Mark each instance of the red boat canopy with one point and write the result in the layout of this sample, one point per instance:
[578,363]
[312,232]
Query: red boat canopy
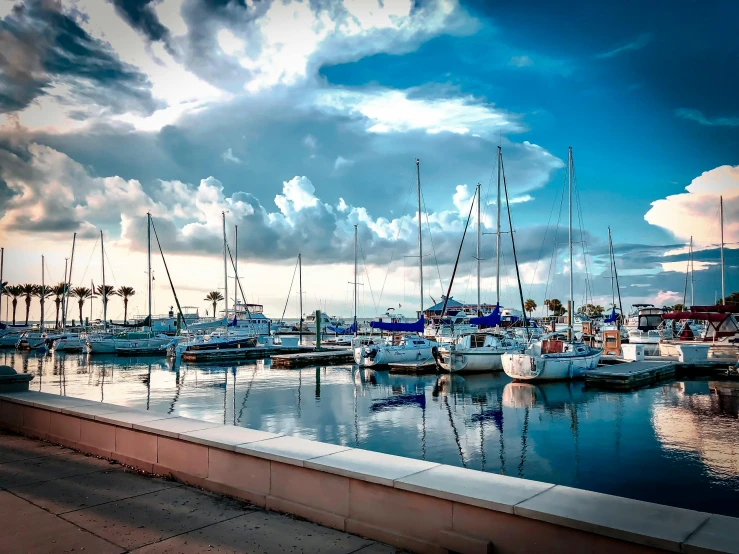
[720,325]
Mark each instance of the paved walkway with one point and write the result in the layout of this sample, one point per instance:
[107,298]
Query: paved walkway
[53,499]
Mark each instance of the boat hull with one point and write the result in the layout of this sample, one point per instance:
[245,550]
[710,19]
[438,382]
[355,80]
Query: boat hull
[525,367]
[367,356]
[464,361]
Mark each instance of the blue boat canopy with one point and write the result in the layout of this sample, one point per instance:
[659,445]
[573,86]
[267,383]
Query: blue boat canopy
[490,320]
[339,331]
[234,323]
[416,327]
[613,317]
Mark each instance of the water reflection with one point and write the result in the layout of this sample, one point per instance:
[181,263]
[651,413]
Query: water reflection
[674,443]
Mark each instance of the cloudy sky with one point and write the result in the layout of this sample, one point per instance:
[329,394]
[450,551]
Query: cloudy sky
[303,119]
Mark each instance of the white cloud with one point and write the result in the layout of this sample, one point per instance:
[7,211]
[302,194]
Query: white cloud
[342,162]
[228,156]
[695,212]
[521,199]
[394,111]
[520,61]
[310,142]
[699,117]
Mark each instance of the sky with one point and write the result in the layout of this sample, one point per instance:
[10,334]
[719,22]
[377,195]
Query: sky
[300,120]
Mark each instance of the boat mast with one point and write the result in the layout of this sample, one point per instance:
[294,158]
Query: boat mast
[721,219]
[43,292]
[355,280]
[236,267]
[105,291]
[479,201]
[68,285]
[148,238]
[420,240]
[692,275]
[572,291]
[300,282]
[497,236]
[225,268]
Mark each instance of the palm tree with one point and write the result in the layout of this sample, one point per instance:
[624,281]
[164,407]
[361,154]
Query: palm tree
[529,306]
[547,305]
[58,292]
[556,306]
[106,293]
[82,294]
[28,291]
[125,293]
[214,297]
[43,293]
[14,292]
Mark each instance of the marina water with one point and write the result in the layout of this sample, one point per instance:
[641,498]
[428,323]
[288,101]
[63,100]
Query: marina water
[674,443]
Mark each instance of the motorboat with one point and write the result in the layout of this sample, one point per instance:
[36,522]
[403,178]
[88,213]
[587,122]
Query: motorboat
[479,351]
[450,329]
[107,344]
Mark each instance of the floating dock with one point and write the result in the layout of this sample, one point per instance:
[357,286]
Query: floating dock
[317,357]
[620,374]
[252,353]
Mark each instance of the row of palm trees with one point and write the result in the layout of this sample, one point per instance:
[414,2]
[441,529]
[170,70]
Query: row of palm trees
[29,291]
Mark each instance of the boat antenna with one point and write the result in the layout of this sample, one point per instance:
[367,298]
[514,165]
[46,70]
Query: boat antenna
[456,263]
[513,245]
[174,292]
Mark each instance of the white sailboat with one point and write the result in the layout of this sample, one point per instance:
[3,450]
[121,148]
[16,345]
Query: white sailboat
[550,359]
[131,341]
[410,346]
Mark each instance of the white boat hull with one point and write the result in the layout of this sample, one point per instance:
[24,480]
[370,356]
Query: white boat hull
[456,361]
[391,355]
[109,346]
[549,367]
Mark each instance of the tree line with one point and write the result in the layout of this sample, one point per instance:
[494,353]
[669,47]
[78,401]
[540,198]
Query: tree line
[28,292]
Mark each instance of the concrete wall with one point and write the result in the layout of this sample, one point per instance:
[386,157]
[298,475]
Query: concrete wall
[416,505]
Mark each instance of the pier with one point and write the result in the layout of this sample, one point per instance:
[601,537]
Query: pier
[325,356]
[620,374]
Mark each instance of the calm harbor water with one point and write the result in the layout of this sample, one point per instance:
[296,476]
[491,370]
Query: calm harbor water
[675,443]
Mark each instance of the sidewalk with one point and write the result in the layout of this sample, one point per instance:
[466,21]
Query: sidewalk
[53,499]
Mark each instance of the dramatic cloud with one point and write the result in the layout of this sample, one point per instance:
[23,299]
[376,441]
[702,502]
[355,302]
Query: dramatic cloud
[141,16]
[698,117]
[695,212]
[42,47]
[387,111]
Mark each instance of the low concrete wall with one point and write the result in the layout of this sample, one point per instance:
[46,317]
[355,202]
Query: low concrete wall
[416,505]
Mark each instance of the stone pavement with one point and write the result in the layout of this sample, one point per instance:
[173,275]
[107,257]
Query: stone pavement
[53,499]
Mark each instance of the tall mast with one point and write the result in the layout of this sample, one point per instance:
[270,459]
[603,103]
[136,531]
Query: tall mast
[572,285]
[355,279]
[692,275]
[43,292]
[420,240]
[148,237]
[721,218]
[497,236]
[236,267]
[610,254]
[69,284]
[300,282]
[225,268]
[66,264]
[105,291]
[479,201]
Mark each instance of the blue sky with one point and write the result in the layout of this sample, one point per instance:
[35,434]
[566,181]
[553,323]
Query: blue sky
[302,119]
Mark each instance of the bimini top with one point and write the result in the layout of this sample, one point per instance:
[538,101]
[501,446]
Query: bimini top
[415,327]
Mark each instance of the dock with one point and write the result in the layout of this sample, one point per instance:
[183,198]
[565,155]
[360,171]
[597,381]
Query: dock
[619,374]
[253,353]
[317,357]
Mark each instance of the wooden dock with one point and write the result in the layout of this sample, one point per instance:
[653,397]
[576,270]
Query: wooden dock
[619,374]
[326,356]
[228,354]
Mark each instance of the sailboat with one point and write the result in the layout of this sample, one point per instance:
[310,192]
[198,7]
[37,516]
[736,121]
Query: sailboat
[550,359]
[481,350]
[410,346]
[134,342]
